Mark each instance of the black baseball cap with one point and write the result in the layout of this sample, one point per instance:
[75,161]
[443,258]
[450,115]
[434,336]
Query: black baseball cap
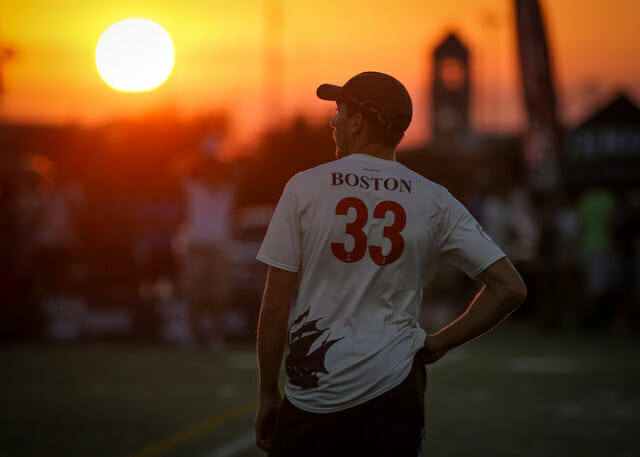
[376,92]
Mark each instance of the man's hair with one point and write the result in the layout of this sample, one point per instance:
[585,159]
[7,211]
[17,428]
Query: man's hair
[378,133]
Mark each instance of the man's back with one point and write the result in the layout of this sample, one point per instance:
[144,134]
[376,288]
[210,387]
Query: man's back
[363,232]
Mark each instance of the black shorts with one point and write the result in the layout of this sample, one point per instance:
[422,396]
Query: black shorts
[389,425]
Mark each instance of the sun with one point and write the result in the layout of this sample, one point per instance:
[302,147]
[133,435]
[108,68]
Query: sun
[135,55]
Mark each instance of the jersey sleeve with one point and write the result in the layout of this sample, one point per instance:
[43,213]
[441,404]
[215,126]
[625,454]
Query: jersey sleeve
[281,246]
[463,242]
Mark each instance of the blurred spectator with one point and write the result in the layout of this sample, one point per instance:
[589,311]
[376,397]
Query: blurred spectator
[19,207]
[597,210]
[27,208]
[545,296]
[567,229]
[210,196]
[525,234]
[480,187]
[12,279]
[56,237]
[628,250]
[523,238]
[495,217]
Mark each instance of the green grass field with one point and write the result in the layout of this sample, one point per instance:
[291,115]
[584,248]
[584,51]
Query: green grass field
[516,392]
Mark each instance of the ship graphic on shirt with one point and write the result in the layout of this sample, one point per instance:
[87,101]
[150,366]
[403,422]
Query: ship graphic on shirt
[303,364]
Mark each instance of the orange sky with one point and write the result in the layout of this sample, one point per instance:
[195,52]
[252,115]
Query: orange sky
[219,56]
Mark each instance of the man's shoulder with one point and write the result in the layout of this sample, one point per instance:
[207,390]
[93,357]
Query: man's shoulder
[426,186]
[303,178]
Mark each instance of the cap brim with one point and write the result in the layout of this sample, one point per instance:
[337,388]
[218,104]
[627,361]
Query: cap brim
[329,92]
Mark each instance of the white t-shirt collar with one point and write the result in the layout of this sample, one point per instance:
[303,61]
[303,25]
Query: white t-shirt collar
[369,158]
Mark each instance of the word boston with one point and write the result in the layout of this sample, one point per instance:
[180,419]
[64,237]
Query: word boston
[371,182]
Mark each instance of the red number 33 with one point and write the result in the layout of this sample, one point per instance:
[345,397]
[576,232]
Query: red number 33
[391,232]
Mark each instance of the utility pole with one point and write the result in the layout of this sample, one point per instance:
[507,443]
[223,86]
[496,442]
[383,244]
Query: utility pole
[273,72]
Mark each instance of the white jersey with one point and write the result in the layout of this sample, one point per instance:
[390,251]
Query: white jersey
[363,233]
[208,213]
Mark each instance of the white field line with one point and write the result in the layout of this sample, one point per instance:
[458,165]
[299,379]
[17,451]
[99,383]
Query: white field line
[237,445]
[545,365]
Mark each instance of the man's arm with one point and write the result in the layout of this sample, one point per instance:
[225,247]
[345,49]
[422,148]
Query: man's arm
[272,336]
[503,291]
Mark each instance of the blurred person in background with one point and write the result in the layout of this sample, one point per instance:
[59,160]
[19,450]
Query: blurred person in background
[495,216]
[57,238]
[525,234]
[20,207]
[522,237]
[206,277]
[628,250]
[14,255]
[596,208]
[508,217]
[566,230]
[26,203]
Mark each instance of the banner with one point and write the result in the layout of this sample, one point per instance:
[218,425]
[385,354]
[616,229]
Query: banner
[542,138]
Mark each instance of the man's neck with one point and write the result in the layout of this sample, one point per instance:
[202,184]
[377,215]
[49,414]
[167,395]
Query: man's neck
[376,150]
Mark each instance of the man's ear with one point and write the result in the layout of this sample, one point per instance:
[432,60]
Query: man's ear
[356,123]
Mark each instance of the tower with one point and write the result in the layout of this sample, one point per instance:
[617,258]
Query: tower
[273,63]
[451,90]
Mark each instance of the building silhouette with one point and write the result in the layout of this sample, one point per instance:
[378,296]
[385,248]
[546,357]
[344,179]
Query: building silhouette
[450,89]
[604,149]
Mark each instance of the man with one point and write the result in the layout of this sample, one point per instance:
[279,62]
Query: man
[210,196]
[358,237]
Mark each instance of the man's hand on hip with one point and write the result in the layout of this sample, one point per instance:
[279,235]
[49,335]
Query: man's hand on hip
[431,351]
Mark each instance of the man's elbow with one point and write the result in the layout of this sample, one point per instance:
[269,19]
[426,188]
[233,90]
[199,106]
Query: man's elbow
[506,283]
[516,294]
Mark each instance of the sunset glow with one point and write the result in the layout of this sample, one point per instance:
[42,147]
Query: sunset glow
[221,51]
[135,55]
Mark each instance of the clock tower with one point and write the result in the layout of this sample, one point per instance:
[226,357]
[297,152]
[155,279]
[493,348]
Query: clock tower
[451,91]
